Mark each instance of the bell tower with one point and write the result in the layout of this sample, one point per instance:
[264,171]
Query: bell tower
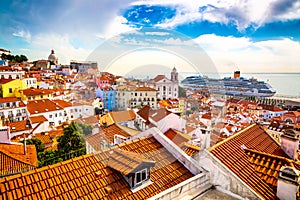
[174,75]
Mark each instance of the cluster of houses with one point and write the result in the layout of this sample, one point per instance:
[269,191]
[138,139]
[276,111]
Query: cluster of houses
[147,141]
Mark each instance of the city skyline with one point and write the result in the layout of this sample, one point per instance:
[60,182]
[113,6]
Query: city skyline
[249,36]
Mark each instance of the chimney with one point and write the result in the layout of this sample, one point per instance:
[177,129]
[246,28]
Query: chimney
[24,143]
[27,126]
[290,143]
[288,183]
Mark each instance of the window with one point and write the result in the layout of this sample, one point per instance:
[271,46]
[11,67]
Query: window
[140,176]
[135,94]
[50,116]
[55,114]
[10,90]
[23,110]
[60,114]
[41,96]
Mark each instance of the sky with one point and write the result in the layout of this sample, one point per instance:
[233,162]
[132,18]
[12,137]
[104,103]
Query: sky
[227,35]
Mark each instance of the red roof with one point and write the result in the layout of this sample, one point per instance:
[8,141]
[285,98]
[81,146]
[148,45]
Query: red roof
[9,99]
[145,89]
[144,112]
[159,114]
[4,81]
[13,159]
[18,126]
[38,118]
[231,153]
[36,91]
[63,103]
[159,77]
[89,176]
[42,106]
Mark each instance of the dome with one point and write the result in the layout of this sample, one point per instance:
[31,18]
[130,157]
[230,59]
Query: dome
[53,58]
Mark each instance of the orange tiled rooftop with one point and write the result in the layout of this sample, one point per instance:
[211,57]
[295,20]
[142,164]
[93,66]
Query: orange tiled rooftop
[232,154]
[13,159]
[89,177]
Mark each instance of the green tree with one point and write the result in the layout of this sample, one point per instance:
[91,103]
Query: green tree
[86,128]
[72,139]
[38,144]
[182,92]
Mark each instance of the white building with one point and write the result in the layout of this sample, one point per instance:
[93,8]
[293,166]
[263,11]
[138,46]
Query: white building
[82,67]
[166,88]
[30,82]
[136,97]
[51,111]
[12,109]
[12,74]
[74,111]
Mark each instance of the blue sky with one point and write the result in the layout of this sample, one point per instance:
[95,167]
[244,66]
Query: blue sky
[253,35]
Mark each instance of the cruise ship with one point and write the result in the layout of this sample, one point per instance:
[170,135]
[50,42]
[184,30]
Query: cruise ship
[236,86]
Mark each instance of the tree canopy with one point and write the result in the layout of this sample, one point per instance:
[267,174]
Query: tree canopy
[38,144]
[16,58]
[72,139]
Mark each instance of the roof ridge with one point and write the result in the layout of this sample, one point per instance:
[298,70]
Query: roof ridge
[231,137]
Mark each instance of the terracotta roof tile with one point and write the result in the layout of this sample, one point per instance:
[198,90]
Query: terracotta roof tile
[125,161]
[88,120]
[62,103]
[159,77]
[17,126]
[106,133]
[230,152]
[13,159]
[159,114]
[122,116]
[268,166]
[9,99]
[36,91]
[42,106]
[144,112]
[45,138]
[145,89]
[4,81]
[89,177]
[176,136]
[190,149]
[38,118]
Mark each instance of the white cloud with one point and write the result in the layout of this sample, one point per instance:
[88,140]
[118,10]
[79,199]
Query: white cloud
[250,56]
[23,34]
[43,43]
[116,27]
[242,13]
[157,33]
[221,43]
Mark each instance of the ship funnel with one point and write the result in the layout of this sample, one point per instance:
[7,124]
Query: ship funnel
[237,74]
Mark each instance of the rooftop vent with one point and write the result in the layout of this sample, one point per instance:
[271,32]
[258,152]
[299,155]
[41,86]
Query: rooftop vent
[108,190]
[98,174]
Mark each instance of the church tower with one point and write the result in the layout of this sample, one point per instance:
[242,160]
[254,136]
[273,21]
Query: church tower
[174,75]
[53,58]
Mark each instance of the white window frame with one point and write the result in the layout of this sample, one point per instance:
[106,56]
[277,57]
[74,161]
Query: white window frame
[140,172]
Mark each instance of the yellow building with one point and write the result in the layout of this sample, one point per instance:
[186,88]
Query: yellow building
[34,94]
[9,86]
